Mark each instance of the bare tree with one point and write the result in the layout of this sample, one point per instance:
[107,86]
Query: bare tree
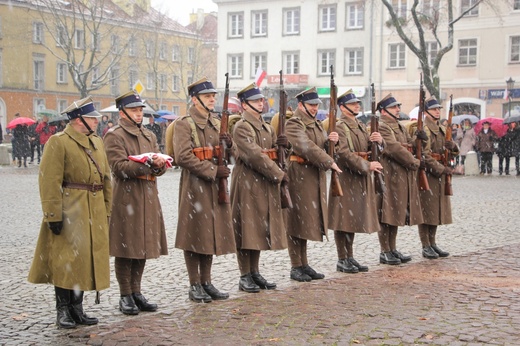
[426,21]
[79,29]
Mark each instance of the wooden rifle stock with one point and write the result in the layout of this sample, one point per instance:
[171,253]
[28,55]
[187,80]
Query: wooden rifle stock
[379,182]
[335,187]
[448,189]
[223,191]
[285,197]
[422,178]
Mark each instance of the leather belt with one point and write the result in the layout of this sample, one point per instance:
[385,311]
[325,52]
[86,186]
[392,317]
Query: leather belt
[437,157]
[408,147]
[298,159]
[362,154]
[206,153]
[80,186]
[148,177]
[271,153]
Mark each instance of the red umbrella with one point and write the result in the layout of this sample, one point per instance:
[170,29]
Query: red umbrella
[20,121]
[497,125]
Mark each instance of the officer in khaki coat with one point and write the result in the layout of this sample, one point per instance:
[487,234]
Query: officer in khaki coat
[257,213]
[75,191]
[204,226]
[435,203]
[400,205]
[355,211]
[136,227]
[307,220]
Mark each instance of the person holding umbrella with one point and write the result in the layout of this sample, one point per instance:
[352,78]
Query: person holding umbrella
[485,145]
[45,131]
[75,192]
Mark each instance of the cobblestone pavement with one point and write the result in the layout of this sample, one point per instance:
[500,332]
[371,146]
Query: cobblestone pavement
[469,298]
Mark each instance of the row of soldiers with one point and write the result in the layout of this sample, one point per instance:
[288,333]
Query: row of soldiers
[81,212]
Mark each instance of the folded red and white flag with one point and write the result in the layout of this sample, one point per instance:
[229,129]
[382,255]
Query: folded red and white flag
[142,158]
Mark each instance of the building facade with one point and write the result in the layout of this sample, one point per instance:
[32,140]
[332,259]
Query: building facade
[304,37]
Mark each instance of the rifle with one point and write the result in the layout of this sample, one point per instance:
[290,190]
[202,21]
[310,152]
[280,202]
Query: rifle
[335,187]
[223,191]
[285,197]
[448,191]
[374,127]
[422,180]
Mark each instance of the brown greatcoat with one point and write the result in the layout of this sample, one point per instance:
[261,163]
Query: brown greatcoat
[435,204]
[78,257]
[307,181]
[204,226]
[400,204]
[137,224]
[356,210]
[255,186]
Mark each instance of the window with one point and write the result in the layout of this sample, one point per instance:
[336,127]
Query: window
[468,52]
[259,23]
[191,55]
[79,39]
[114,44]
[150,81]
[132,46]
[176,110]
[62,105]
[396,57]
[175,83]
[114,80]
[132,77]
[430,8]
[236,25]
[431,51]
[514,56]
[327,18]
[61,73]
[258,60]
[353,61]
[38,32]
[61,36]
[150,51]
[38,73]
[162,51]
[516,5]
[291,21]
[355,16]
[96,41]
[38,105]
[291,62]
[400,8]
[176,52]
[163,82]
[189,77]
[467,4]
[235,65]
[325,59]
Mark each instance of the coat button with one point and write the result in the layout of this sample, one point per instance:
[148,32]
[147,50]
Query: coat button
[51,214]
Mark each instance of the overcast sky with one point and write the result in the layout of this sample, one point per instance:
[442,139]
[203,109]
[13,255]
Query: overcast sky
[180,9]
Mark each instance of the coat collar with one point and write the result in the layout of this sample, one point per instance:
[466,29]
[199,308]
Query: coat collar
[351,122]
[251,118]
[132,129]
[307,120]
[433,125]
[202,119]
[80,138]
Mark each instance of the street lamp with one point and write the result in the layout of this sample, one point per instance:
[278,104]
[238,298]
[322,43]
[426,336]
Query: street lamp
[510,86]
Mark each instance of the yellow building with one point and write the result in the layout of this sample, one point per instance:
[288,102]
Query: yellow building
[53,52]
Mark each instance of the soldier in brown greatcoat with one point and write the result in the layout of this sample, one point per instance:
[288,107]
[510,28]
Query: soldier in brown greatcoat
[356,210]
[400,205]
[307,220]
[204,226]
[435,203]
[75,191]
[136,227]
[257,213]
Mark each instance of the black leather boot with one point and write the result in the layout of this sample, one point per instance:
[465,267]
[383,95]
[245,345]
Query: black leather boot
[214,293]
[25,162]
[63,319]
[403,258]
[429,253]
[127,305]
[20,163]
[262,283]
[312,273]
[439,251]
[360,267]
[198,294]
[247,284]
[142,303]
[344,266]
[298,275]
[388,258]
[76,310]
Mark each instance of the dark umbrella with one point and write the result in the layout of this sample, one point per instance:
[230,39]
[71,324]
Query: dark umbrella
[57,120]
[512,119]
[20,121]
